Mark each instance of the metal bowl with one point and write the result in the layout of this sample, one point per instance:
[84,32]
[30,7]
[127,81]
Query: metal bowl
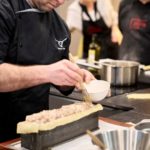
[126,139]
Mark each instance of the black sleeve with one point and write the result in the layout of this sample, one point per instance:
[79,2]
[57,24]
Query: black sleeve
[7,24]
[65,90]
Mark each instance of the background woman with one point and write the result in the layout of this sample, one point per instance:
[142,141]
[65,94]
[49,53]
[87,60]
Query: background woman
[95,17]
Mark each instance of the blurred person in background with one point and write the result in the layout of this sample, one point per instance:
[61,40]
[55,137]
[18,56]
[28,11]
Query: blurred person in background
[134,23]
[95,17]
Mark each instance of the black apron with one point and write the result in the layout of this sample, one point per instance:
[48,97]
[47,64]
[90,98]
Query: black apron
[36,41]
[103,34]
[134,22]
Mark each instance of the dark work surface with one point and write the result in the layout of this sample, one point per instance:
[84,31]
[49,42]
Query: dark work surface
[117,106]
[133,110]
[122,102]
[130,116]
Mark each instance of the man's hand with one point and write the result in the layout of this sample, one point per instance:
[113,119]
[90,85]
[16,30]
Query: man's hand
[116,35]
[67,73]
[45,5]
[87,76]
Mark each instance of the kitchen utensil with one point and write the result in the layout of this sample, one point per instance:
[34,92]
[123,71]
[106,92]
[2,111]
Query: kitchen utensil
[98,89]
[144,125]
[120,72]
[86,95]
[112,139]
[141,140]
[96,140]
[125,139]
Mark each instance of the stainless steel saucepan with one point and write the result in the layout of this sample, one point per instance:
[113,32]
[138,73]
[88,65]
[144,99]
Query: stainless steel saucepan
[120,72]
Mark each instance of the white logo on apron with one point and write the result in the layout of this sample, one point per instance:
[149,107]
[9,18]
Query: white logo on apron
[61,44]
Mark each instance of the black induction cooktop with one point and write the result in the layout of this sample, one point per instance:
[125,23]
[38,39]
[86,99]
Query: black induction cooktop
[118,90]
[114,91]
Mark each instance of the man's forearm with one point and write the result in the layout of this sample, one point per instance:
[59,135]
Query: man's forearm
[13,77]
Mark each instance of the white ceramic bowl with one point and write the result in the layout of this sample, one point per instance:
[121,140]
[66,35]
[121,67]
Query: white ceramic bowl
[98,89]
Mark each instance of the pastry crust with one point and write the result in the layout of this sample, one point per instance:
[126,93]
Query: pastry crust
[27,127]
[139,96]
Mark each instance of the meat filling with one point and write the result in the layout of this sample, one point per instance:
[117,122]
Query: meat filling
[66,110]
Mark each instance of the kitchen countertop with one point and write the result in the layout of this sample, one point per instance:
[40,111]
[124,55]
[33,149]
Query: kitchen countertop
[116,105]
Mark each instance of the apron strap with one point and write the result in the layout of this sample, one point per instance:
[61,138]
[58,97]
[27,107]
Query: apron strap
[96,10]
[84,9]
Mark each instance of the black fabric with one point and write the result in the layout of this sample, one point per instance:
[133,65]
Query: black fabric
[15,106]
[134,22]
[98,27]
[7,26]
[28,38]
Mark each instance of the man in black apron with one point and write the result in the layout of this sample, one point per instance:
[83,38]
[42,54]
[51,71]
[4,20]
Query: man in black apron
[134,22]
[31,40]
[103,32]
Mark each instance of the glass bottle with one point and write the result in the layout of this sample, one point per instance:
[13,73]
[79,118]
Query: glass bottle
[94,55]
[94,50]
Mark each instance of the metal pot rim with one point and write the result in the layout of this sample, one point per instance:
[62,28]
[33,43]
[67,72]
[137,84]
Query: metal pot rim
[120,63]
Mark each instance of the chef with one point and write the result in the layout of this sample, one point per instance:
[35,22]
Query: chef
[34,45]
[134,22]
[95,17]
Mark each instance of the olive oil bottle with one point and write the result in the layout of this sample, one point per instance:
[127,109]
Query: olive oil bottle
[94,50]
[94,55]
